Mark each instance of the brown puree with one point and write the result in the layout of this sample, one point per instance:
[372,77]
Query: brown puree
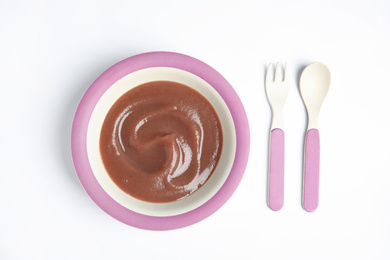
[161,141]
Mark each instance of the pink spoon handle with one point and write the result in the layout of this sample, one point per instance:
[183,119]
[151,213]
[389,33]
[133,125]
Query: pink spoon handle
[276,170]
[311,179]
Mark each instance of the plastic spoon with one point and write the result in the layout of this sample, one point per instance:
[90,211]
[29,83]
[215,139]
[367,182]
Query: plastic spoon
[314,85]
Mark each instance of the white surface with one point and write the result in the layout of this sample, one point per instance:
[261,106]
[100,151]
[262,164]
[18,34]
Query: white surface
[50,52]
[216,180]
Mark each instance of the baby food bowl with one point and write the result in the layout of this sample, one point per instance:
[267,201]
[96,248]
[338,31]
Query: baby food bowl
[216,180]
[108,88]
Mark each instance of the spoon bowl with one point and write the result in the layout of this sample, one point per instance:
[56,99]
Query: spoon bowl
[314,85]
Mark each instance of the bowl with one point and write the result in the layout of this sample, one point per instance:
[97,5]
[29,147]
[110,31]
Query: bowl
[108,88]
[206,191]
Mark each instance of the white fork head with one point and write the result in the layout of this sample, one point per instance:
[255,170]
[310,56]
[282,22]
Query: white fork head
[276,88]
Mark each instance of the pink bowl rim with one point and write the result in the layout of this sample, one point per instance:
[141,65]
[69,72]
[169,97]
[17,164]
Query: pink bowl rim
[104,82]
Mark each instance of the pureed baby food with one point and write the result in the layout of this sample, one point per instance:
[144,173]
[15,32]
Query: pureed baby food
[161,141]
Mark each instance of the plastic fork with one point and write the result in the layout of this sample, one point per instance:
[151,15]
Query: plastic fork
[277,91]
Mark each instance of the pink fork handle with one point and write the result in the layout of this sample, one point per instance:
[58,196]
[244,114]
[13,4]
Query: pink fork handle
[276,170]
[311,179]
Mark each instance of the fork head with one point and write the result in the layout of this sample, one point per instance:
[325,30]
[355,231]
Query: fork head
[276,86]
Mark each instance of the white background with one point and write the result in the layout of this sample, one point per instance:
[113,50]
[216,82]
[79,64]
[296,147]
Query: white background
[51,51]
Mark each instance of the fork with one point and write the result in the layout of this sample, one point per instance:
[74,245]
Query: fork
[277,92]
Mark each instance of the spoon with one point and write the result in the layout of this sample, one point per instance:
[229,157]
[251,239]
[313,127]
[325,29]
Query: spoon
[314,85]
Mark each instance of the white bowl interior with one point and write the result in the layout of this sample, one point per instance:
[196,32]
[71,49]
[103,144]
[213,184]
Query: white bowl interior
[217,179]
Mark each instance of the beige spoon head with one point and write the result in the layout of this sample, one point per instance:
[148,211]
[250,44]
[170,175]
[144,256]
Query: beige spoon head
[314,85]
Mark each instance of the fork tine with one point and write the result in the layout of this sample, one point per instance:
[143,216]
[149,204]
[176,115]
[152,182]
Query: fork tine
[269,78]
[278,72]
